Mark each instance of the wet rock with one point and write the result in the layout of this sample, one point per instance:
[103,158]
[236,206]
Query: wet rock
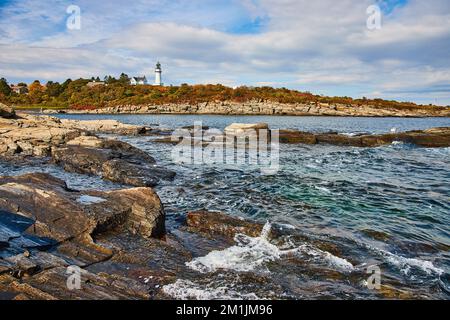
[389,292]
[99,286]
[58,214]
[294,136]
[112,160]
[377,235]
[432,138]
[219,223]
[339,140]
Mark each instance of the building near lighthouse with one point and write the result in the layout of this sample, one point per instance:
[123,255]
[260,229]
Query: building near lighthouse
[158,73]
[138,81]
[135,81]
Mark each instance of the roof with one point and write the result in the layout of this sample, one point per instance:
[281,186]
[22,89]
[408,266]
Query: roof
[139,78]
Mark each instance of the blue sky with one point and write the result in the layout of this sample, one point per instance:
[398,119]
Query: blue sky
[322,46]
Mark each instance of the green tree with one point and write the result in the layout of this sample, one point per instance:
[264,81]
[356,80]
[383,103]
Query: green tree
[5,89]
[54,89]
[124,78]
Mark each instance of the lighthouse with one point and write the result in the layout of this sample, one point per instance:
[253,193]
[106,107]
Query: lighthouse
[158,72]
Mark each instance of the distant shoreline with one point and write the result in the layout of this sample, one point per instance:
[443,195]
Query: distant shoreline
[231,108]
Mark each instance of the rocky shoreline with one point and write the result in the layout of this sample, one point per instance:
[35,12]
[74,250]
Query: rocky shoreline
[118,239]
[268,108]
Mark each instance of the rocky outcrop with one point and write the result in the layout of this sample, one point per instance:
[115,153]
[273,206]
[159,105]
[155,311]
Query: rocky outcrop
[46,228]
[430,138]
[104,126]
[71,145]
[62,214]
[6,112]
[258,107]
[31,135]
[112,160]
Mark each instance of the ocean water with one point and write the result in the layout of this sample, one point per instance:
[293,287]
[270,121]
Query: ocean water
[385,207]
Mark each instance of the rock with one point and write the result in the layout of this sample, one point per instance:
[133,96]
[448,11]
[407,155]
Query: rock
[293,136]
[22,266]
[261,107]
[86,141]
[6,112]
[59,214]
[245,128]
[112,160]
[218,223]
[339,140]
[431,138]
[104,126]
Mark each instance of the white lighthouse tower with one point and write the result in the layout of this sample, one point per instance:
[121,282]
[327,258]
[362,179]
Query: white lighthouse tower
[158,72]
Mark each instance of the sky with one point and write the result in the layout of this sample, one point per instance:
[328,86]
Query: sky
[322,46]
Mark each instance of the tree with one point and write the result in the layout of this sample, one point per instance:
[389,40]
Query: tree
[109,79]
[124,78]
[54,89]
[5,89]
[36,92]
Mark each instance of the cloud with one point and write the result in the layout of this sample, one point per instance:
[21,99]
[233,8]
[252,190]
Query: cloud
[320,46]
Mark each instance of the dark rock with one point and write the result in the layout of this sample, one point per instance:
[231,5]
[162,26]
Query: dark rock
[113,160]
[219,223]
[431,138]
[6,112]
[62,214]
[339,140]
[293,136]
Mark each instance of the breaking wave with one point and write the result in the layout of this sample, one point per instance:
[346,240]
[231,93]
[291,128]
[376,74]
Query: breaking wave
[185,289]
[247,255]
[406,264]
[251,254]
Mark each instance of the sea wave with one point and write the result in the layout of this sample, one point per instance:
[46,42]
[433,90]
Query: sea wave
[247,255]
[186,289]
[406,264]
[252,253]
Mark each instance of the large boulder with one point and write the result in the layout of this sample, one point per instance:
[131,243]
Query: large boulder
[6,112]
[62,214]
[104,126]
[245,128]
[112,160]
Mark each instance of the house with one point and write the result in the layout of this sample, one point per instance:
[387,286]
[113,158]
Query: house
[138,81]
[19,89]
[95,84]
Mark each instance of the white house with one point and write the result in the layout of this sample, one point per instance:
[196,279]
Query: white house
[143,80]
[138,81]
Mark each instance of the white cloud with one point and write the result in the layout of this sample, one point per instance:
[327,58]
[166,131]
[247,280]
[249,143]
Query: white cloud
[319,46]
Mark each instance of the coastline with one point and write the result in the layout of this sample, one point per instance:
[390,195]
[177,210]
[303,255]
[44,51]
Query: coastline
[266,109]
[126,242]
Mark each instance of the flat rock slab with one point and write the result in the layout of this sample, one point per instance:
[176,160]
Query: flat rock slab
[112,160]
[431,138]
[57,214]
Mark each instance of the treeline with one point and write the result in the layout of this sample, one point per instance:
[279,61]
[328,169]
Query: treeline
[78,94]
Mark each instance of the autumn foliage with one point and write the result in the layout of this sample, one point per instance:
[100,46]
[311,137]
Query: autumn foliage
[76,94]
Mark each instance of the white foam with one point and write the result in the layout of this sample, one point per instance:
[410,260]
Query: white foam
[331,259]
[405,264]
[249,254]
[185,289]
[322,189]
[253,253]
